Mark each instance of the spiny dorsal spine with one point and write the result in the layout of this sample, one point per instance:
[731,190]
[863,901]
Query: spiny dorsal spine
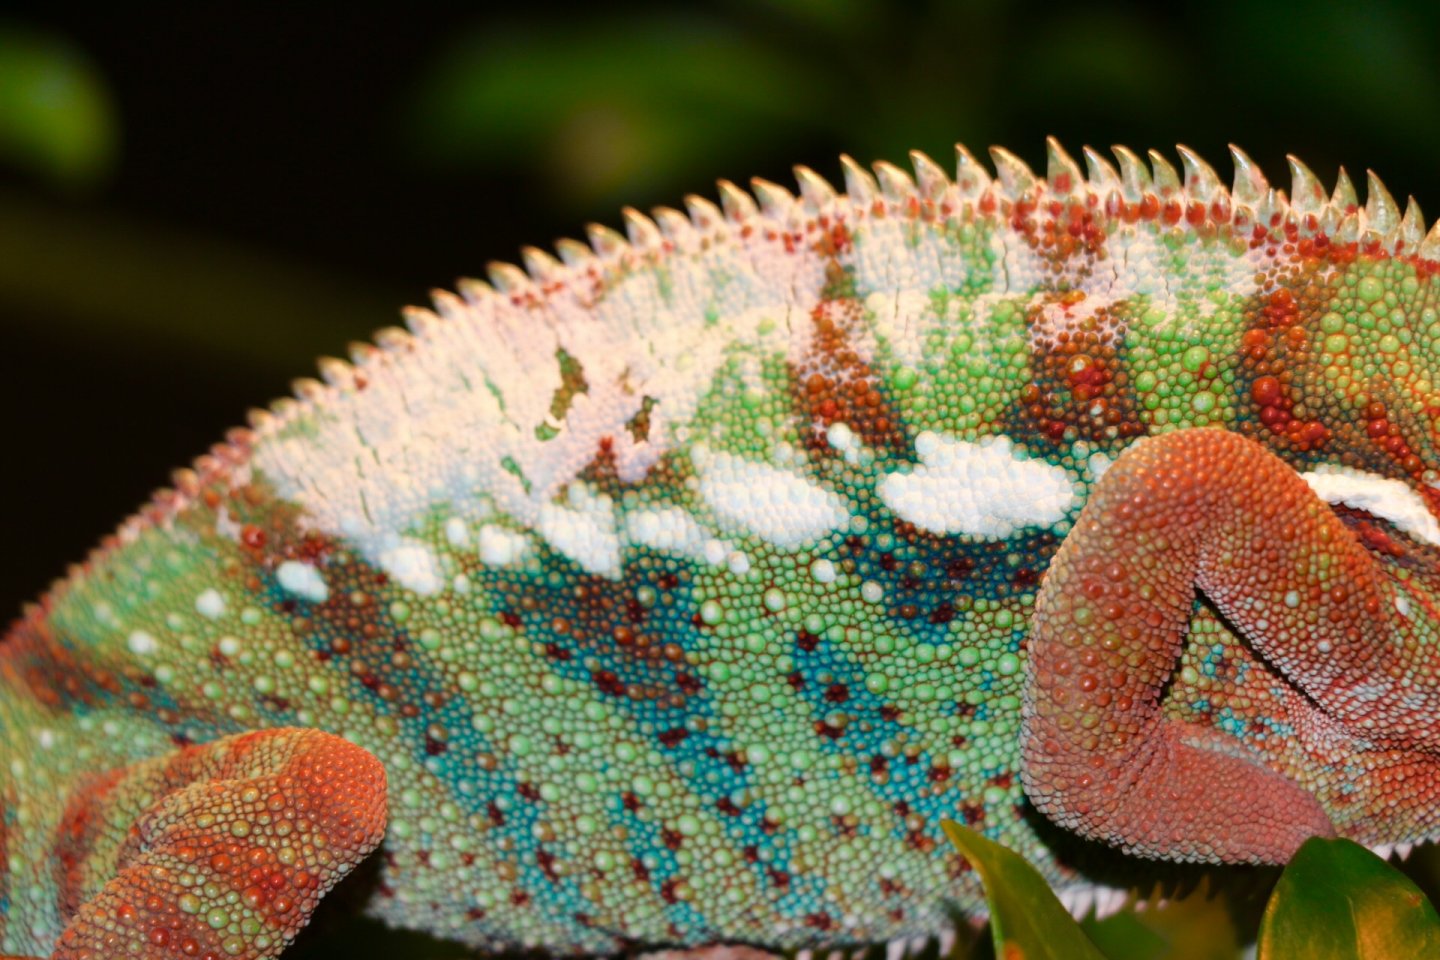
[1129,188]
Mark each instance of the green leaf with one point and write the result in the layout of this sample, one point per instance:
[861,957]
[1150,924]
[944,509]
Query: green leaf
[1026,918]
[1338,900]
[56,116]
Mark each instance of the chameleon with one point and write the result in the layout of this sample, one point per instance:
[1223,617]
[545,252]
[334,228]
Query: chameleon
[672,591]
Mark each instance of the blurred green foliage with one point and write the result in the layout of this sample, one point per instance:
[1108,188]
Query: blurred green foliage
[57,118]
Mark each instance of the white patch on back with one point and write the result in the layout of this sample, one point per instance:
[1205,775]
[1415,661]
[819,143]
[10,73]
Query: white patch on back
[468,412]
[584,531]
[413,566]
[1384,497]
[982,489]
[842,438]
[500,547]
[775,505]
[670,529]
[303,580]
[457,533]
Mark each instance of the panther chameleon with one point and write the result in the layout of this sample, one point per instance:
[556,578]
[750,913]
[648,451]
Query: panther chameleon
[672,591]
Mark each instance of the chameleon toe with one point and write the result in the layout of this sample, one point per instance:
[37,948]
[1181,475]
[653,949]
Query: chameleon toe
[1213,511]
[226,850]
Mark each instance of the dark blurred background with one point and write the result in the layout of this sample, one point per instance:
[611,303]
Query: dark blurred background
[197,200]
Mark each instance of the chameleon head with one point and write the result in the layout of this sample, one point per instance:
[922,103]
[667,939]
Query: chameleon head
[1238,644]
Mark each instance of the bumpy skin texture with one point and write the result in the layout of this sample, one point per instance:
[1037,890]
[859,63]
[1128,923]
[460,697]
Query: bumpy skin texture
[682,588]
[227,846]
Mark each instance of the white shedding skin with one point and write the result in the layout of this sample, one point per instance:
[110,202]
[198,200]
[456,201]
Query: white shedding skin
[457,533]
[1383,497]
[669,529]
[584,531]
[778,506]
[982,489]
[500,547]
[302,580]
[413,566]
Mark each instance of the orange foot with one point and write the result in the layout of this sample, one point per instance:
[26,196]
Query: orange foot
[230,846]
[1207,511]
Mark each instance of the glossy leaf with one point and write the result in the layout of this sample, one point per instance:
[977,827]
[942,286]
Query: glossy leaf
[1027,920]
[1338,900]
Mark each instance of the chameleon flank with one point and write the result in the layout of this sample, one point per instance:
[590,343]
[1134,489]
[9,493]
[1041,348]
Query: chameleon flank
[672,592]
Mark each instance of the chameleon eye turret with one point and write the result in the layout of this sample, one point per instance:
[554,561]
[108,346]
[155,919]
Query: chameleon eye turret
[672,588]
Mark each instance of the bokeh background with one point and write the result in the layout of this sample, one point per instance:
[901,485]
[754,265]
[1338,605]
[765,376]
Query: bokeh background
[197,200]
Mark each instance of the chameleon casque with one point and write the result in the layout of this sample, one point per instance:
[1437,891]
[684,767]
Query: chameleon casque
[672,592]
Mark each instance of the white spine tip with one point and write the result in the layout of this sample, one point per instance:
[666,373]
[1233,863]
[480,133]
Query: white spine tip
[704,214]
[1250,186]
[334,371]
[1430,246]
[1201,180]
[1412,228]
[971,177]
[895,184]
[506,277]
[1344,197]
[1103,175]
[1163,173]
[1015,176]
[738,205]
[1381,212]
[574,254]
[1307,194]
[930,177]
[674,225]
[1135,179]
[446,304]
[775,201]
[641,230]
[815,190]
[607,243]
[859,185]
[539,264]
[1062,173]
[398,339]
[307,389]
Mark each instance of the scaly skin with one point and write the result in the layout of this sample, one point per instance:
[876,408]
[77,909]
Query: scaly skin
[681,589]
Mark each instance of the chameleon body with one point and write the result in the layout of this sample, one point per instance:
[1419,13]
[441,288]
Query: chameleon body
[672,592]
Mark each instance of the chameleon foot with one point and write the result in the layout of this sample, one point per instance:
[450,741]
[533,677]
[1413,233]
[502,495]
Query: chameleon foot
[1210,511]
[230,846]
